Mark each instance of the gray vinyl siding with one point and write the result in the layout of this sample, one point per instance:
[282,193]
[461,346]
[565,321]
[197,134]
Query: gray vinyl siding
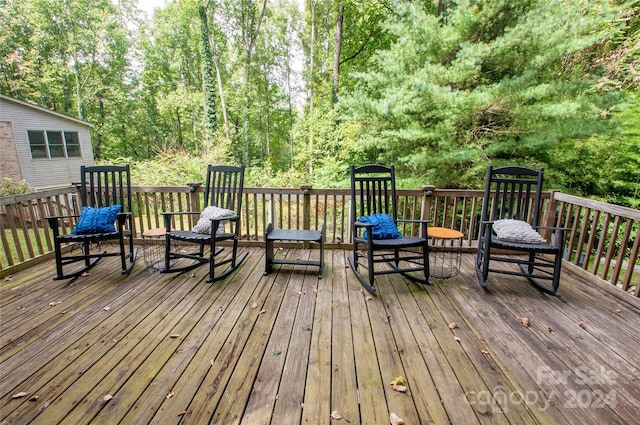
[44,173]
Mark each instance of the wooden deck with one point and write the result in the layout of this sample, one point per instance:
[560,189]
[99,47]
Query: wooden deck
[290,349]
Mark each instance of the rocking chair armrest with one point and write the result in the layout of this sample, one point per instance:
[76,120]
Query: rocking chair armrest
[170,213]
[407,220]
[54,221]
[230,218]
[564,229]
[560,230]
[367,226]
[123,216]
[361,224]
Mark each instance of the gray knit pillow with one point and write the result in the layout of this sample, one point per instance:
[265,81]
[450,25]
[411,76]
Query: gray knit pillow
[204,223]
[509,230]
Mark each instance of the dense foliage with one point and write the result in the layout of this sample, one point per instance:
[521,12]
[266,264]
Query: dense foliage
[440,88]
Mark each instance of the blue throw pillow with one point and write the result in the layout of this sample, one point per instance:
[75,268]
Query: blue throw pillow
[97,220]
[383,226]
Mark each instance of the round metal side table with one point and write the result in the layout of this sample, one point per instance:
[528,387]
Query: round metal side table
[446,252]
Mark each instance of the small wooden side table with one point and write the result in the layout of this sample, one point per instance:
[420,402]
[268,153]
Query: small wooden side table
[446,252]
[272,235]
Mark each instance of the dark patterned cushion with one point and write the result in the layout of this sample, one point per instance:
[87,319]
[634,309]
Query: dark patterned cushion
[97,220]
[383,226]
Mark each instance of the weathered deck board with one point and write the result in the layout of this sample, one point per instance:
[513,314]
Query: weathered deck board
[288,348]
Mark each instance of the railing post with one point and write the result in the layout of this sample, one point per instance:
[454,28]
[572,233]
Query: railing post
[306,209]
[194,200]
[76,199]
[427,202]
[306,206]
[549,214]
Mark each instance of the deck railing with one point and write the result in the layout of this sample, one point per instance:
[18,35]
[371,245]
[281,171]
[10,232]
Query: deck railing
[604,239]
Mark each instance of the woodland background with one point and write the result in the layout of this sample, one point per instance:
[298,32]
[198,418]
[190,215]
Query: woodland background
[297,92]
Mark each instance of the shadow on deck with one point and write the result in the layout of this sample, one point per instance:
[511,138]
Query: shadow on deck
[288,348]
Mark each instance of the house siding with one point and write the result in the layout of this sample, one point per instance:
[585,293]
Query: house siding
[43,173]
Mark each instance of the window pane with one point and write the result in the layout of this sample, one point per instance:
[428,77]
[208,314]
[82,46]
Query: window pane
[73,143]
[56,147]
[37,144]
[73,150]
[39,152]
[56,151]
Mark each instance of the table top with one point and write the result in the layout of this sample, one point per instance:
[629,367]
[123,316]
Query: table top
[444,233]
[159,231]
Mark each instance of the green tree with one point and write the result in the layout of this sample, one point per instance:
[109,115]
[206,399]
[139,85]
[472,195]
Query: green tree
[68,56]
[482,81]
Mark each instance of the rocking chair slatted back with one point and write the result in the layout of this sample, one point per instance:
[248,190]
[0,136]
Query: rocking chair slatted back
[508,197]
[377,192]
[224,187]
[106,185]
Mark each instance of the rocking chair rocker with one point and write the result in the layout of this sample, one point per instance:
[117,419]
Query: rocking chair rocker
[512,200]
[219,222]
[375,214]
[105,193]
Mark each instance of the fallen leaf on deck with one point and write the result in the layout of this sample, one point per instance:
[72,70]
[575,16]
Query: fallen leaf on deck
[395,420]
[193,275]
[276,352]
[549,329]
[170,394]
[34,398]
[8,278]
[263,311]
[174,336]
[184,412]
[524,321]
[577,335]
[455,338]
[20,394]
[581,325]
[85,274]
[336,415]
[400,388]
[107,308]
[254,305]
[453,325]
[484,351]
[107,398]
[400,380]
[52,303]
[399,384]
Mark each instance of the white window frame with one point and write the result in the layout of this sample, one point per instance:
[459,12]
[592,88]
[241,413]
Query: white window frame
[47,145]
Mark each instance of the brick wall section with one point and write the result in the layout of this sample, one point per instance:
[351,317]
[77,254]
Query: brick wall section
[9,166]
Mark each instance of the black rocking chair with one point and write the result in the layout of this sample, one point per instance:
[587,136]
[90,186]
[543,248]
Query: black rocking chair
[373,194]
[509,224]
[223,189]
[105,193]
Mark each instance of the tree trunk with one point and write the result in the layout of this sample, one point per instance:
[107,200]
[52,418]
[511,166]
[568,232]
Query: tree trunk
[223,105]
[312,8]
[249,36]
[336,54]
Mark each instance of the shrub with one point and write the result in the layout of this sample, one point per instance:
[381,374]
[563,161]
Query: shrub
[9,187]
